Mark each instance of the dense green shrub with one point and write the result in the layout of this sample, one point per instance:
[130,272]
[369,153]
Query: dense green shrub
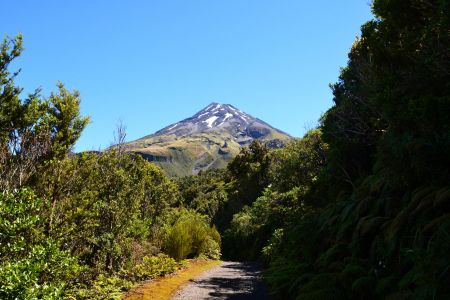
[384,228]
[299,163]
[102,288]
[292,171]
[152,267]
[191,236]
[32,266]
[99,220]
[205,193]
[107,207]
[97,215]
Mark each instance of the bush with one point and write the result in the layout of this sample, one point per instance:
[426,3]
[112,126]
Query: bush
[113,287]
[210,249]
[191,236]
[112,212]
[104,287]
[32,266]
[152,267]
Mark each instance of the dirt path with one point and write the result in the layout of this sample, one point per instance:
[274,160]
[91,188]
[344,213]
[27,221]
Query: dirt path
[162,288]
[230,280]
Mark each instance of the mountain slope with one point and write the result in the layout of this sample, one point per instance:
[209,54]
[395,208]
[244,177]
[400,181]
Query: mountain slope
[208,139]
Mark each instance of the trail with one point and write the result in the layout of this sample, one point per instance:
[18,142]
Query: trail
[230,280]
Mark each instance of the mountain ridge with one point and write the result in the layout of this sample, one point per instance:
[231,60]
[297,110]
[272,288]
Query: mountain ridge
[208,139]
[212,114]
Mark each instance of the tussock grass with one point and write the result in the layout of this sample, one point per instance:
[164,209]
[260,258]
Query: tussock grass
[165,287]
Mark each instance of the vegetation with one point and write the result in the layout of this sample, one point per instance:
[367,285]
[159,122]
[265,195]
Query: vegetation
[370,220]
[287,175]
[182,155]
[113,287]
[383,230]
[205,193]
[32,265]
[356,209]
[191,236]
[83,226]
[164,288]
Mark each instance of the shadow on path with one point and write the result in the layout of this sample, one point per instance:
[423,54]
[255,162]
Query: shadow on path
[236,281]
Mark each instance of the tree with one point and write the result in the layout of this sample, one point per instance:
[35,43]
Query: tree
[385,227]
[35,130]
[249,172]
[247,176]
[103,203]
[299,163]
[119,137]
[205,193]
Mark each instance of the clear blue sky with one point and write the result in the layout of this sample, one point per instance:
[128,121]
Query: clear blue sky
[152,63]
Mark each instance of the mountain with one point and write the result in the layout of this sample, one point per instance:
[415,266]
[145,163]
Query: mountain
[208,139]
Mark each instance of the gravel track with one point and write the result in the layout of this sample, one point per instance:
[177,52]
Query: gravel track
[230,280]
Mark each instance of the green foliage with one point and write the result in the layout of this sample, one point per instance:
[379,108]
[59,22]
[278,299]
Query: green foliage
[249,173]
[102,288]
[113,287]
[103,203]
[273,244]
[205,193]
[292,171]
[299,163]
[358,209]
[152,267]
[380,230]
[99,218]
[191,236]
[32,266]
[252,227]
[9,93]
[246,178]
[35,130]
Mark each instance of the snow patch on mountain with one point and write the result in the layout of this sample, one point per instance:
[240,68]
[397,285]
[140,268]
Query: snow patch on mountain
[217,107]
[201,115]
[222,119]
[173,126]
[211,120]
[227,115]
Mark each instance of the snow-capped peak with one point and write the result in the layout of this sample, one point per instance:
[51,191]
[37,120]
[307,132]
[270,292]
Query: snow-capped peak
[223,112]
[215,122]
[220,118]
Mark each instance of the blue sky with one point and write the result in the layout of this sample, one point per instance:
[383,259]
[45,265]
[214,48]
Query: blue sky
[152,63]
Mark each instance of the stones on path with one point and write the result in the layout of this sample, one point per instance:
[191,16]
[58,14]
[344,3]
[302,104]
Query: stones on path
[230,280]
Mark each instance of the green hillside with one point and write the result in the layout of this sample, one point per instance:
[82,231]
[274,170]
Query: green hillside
[191,146]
